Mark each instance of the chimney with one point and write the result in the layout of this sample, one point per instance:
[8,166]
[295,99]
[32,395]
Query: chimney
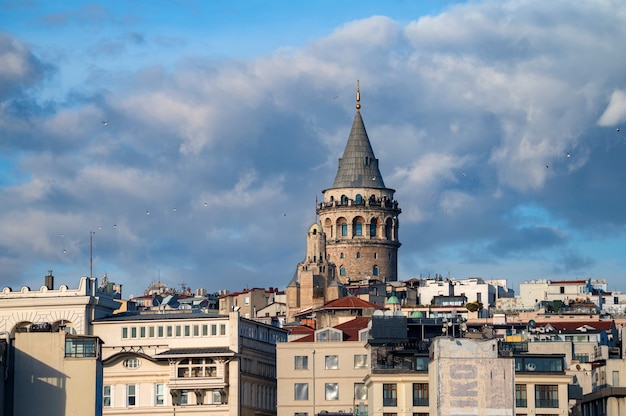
[49,280]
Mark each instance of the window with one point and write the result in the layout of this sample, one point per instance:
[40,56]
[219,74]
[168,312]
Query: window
[178,330]
[187,331]
[331,391]
[151,332]
[197,367]
[344,229]
[358,254]
[360,361]
[131,395]
[196,330]
[222,329]
[342,271]
[159,394]
[246,300]
[420,394]
[124,333]
[301,391]
[160,332]
[169,331]
[213,329]
[373,228]
[106,396]
[142,332]
[205,330]
[546,395]
[216,396]
[81,347]
[521,399]
[328,335]
[359,199]
[301,362]
[390,394]
[342,256]
[331,362]
[133,332]
[360,391]
[344,200]
[375,271]
[562,289]
[132,363]
[358,228]
[184,397]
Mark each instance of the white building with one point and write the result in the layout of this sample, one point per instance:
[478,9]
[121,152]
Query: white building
[189,363]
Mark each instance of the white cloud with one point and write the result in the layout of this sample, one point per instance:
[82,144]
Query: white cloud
[615,111]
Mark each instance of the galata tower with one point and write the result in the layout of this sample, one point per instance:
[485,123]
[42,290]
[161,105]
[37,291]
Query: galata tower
[359,214]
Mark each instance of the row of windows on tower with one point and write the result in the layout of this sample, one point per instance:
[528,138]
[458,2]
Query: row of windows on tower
[358,255]
[342,271]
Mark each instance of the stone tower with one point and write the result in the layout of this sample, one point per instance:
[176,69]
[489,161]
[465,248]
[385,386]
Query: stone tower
[359,215]
[314,282]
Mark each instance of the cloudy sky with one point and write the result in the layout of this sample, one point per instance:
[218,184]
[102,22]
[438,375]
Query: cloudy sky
[193,137]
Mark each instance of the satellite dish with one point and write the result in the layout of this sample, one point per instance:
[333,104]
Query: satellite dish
[378,312]
[531,323]
[157,300]
[173,302]
[388,313]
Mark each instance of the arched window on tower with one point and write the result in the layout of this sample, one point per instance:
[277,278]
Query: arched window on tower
[359,199]
[358,228]
[344,229]
[375,271]
[358,254]
[344,200]
[373,226]
[341,255]
[342,271]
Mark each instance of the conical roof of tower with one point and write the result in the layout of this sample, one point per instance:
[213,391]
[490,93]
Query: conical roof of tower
[358,167]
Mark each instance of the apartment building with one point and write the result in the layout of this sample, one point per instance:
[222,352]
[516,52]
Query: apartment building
[54,373]
[324,371]
[188,362]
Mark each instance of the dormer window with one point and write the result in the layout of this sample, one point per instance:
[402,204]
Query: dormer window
[328,335]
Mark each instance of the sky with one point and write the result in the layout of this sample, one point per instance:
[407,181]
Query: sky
[187,141]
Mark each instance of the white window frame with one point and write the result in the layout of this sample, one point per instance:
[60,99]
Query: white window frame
[107,396]
[135,395]
[162,395]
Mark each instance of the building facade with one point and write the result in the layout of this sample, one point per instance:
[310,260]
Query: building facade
[188,362]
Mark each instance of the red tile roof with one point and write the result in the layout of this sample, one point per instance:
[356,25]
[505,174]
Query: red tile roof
[350,302]
[350,330]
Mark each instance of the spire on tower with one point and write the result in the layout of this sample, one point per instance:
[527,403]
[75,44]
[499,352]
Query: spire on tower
[358,95]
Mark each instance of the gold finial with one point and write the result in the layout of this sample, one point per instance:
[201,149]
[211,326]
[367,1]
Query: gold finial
[358,95]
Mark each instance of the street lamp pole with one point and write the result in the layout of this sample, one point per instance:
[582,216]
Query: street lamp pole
[91,233]
[313,382]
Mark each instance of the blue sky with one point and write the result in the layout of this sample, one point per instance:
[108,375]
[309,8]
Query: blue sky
[497,122]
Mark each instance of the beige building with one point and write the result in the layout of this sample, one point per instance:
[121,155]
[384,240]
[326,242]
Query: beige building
[188,362]
[324,371]
[250,301]
[55,373]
